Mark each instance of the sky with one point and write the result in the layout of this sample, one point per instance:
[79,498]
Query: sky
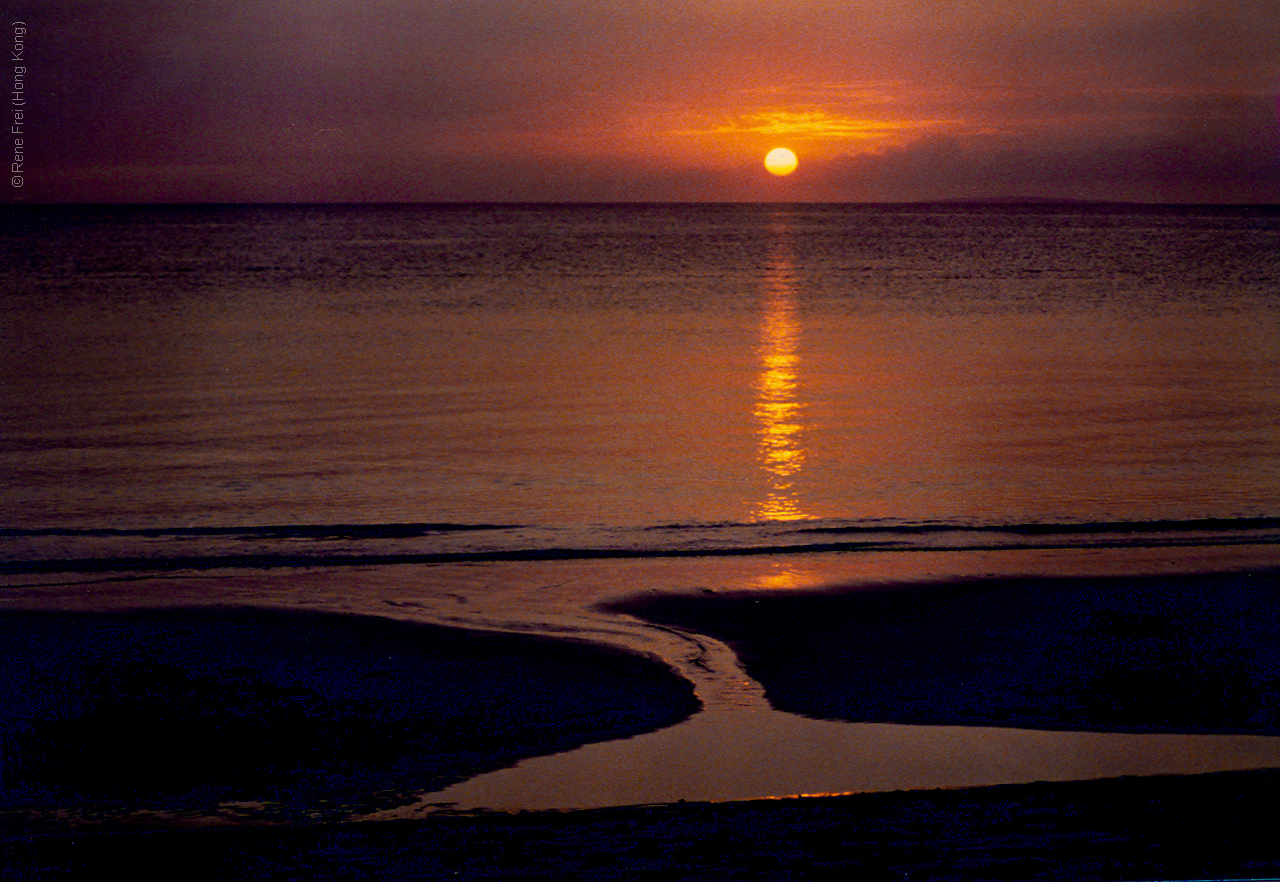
[640,100]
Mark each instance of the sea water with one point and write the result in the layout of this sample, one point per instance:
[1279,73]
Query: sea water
[498,415]
[471,379]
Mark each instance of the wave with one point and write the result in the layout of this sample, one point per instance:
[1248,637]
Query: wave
[108,549]
[1033,529]
[298,531]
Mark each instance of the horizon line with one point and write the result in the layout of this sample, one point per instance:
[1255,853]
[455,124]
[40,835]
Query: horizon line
[1024,201]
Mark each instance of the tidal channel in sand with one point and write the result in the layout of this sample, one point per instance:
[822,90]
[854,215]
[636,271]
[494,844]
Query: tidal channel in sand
[749,652]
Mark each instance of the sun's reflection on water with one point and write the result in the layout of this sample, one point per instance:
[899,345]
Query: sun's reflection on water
[778,410]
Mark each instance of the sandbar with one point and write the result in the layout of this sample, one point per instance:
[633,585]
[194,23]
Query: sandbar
[1169,653]
[179,709]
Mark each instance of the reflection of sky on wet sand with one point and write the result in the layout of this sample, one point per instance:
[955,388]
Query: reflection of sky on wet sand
[778,409]
[740,748]
[753,753]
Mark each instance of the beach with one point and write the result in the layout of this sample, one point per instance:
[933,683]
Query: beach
[258,743]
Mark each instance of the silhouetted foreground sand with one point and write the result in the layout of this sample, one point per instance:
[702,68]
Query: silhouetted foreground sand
[143,708]
[1156,654]
[1219,826]
[182,709]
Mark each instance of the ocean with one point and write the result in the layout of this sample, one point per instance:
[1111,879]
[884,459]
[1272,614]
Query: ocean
[502,415]
[504,380]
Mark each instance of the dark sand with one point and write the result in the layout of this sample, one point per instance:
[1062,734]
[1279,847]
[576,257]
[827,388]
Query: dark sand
[1153,654]
[179,710]
[1218,826]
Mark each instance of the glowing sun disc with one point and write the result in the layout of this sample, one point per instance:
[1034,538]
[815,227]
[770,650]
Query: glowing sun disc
[780,161]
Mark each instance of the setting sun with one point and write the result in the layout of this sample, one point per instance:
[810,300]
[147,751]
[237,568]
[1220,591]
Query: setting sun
[780,161]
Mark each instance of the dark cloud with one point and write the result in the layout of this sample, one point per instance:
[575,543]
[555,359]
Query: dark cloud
[1223,149]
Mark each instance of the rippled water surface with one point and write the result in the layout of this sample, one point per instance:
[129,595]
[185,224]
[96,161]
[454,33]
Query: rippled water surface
[705,375]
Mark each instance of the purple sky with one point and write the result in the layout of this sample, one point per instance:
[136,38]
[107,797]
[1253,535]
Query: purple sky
[390,100]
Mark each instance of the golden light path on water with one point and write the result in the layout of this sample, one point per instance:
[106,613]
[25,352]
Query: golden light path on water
[778,410]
